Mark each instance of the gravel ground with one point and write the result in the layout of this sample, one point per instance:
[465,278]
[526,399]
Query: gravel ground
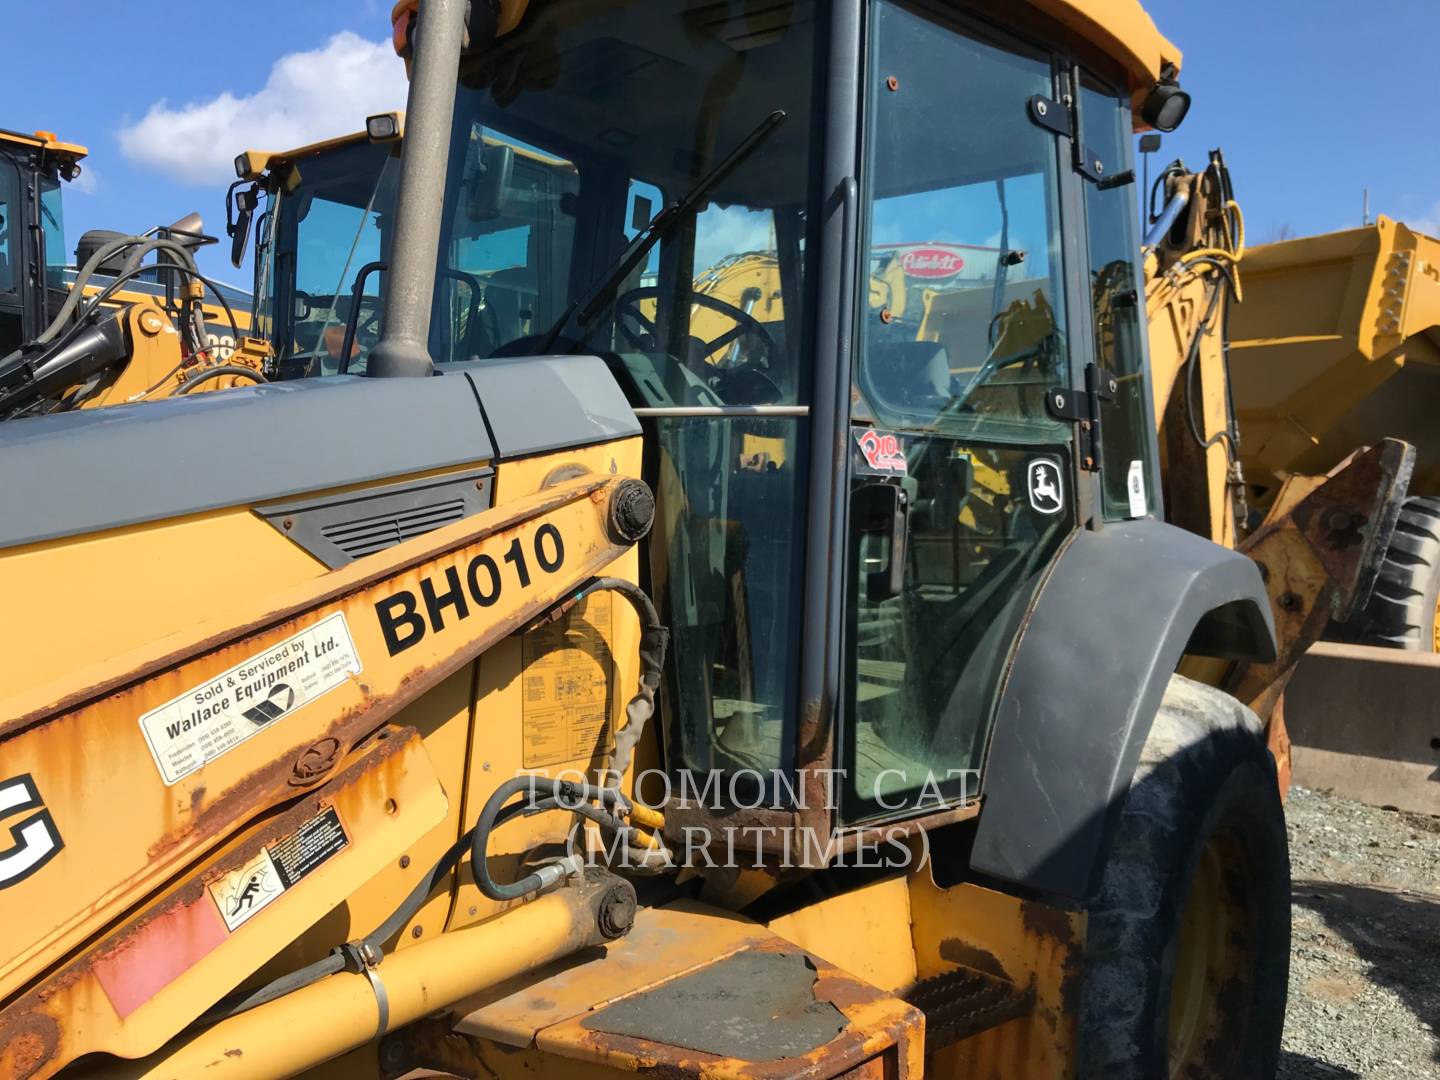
[1365,956]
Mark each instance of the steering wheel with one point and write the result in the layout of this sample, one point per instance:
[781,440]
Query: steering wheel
[627,306]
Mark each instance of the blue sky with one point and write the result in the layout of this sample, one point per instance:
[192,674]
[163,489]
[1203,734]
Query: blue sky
[100,74]
[1311,101]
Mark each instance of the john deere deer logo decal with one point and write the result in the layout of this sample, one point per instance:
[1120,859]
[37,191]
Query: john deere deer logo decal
[1046,487]
[35,840]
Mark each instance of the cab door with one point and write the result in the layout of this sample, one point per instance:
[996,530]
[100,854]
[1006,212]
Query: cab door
[961,483]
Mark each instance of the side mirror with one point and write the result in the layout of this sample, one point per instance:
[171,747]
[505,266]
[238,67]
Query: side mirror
[641,214]
[492,171]
[239,213]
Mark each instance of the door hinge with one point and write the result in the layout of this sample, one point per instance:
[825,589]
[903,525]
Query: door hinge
[1082,408]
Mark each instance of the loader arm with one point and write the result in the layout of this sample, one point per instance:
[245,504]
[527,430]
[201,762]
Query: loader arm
[235,721]
[1318,539]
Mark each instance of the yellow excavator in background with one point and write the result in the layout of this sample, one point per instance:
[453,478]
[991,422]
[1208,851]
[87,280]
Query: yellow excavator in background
[117,328]
[494,713]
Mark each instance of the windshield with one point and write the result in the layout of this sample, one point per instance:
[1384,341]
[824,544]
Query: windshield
[575,135]
[571,139]
[328,220]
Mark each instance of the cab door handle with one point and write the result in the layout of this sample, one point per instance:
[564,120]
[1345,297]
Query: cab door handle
[884,510]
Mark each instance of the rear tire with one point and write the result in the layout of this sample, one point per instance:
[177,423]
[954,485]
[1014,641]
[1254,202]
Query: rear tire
[1180,989]
[1401,610]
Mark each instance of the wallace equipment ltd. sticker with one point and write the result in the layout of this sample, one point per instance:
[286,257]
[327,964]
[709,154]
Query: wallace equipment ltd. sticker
[209,720]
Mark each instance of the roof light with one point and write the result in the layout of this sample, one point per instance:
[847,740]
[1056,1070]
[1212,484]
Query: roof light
[242,166]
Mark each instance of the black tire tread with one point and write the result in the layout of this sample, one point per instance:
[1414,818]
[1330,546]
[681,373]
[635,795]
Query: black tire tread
[1401,611]
[1199,733]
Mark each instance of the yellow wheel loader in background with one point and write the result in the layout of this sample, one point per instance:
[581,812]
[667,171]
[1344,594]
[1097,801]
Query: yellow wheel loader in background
[116,329]
[367,750]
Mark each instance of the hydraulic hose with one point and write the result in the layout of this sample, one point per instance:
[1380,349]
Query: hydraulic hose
[1230,436]
[219,372]
[566,795]
[654,639]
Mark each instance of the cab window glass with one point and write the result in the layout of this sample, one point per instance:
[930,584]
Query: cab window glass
[10,226]
[330,222]
[962,326]
[960,482]
[509,261]
[52,220]
[1114,249]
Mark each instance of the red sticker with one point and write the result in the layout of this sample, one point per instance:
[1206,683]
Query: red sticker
[882,451]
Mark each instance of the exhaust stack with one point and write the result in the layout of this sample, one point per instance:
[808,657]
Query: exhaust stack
[410,277]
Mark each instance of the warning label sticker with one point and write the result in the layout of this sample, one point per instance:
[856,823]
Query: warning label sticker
[566,686]
[248,889]
[207,721]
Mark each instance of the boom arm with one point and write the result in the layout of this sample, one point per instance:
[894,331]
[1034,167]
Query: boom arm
[235,721]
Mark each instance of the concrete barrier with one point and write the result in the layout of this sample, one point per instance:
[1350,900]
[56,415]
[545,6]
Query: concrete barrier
[1365,723]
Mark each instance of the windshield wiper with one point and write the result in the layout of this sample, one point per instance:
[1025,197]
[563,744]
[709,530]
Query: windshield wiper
[589,303]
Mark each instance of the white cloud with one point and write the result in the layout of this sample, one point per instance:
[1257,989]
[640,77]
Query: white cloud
[87,183]
[308,96]
[731,230]
[1429,223]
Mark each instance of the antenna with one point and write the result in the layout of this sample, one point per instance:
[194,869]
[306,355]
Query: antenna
[1365,210]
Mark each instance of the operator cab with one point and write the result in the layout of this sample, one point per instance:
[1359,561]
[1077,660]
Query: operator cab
[845,341]
[32,232]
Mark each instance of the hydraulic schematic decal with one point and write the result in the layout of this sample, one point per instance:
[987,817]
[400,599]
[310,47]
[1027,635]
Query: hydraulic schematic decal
[35,840]
[248,888]
[209,720]
[566,682]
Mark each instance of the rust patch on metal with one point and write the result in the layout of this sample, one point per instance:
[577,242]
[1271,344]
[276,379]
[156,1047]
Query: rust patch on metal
[27,1045]
[1321,549]
[27,1013]
[315,761]
[972,956]
[1047,922]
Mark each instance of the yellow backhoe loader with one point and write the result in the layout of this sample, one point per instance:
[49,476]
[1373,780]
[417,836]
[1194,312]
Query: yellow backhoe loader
[366,750]
[117,328]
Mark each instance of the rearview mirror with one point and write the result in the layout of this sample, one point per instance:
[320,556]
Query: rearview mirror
[244,204]
[492,171]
